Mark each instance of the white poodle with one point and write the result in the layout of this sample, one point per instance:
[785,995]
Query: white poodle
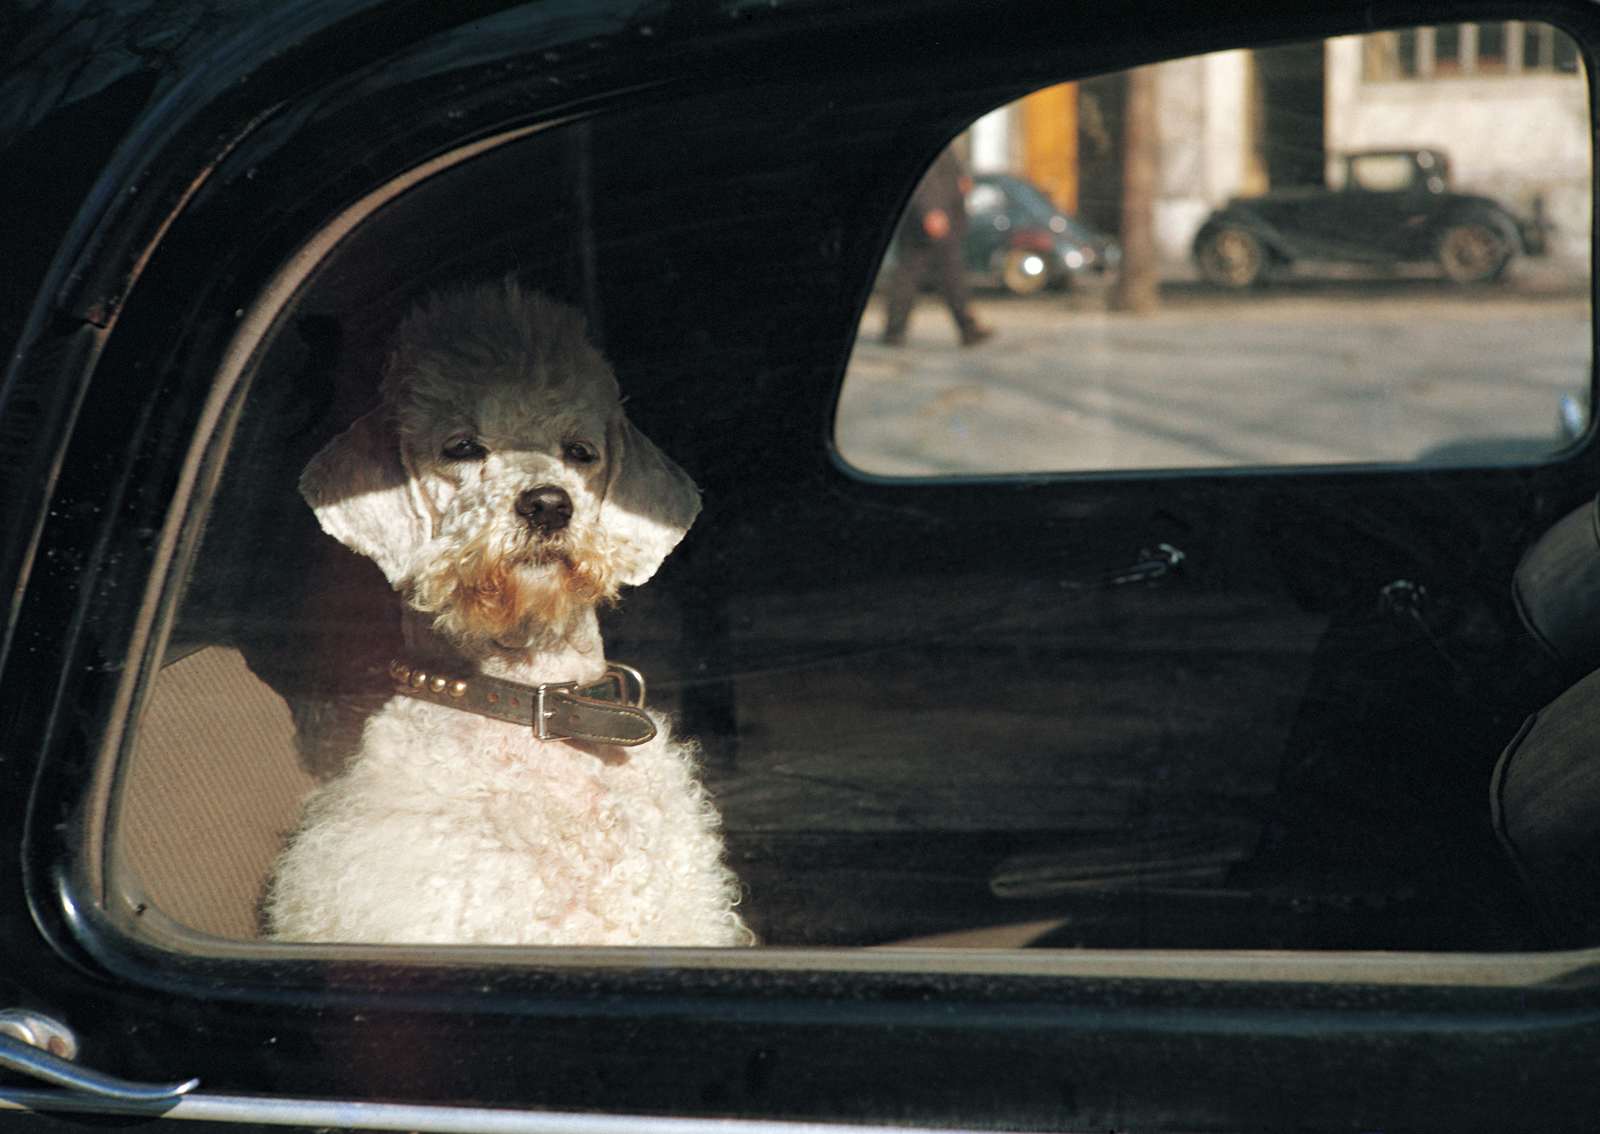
[514,790]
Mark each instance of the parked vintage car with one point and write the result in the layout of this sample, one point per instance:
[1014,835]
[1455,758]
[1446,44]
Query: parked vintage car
[1018,240]
[1146,801]
[1383,207]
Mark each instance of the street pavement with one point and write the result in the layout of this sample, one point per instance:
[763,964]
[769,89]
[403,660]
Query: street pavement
[1331,371]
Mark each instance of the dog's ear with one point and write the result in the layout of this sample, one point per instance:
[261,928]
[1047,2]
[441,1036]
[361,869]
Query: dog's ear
[649,503]
[364,497]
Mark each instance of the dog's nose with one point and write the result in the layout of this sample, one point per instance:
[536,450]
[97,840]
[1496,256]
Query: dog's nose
[546,508]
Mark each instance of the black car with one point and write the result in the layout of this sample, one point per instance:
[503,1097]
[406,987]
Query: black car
[1385,207]
[1151,800]
[1018,240]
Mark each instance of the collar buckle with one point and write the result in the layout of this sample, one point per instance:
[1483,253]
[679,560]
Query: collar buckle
[608,711]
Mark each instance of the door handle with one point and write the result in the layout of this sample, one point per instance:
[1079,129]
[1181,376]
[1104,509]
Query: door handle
[1151,565]
[37,1046]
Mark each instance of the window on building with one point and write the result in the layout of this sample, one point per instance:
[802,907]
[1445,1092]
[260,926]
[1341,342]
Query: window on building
[1490,57]
[1501,47]
[1447,53]
[1405,55]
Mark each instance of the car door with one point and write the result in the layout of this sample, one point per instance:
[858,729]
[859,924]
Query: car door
[1203,734]
[1387,205]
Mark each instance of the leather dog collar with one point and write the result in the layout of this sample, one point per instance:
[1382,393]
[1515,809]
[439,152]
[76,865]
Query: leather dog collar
[608,711]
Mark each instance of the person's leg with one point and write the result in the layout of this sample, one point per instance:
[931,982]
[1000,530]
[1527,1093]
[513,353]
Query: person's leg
[911,262]
[952,280]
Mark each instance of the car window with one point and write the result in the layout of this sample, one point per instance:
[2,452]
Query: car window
[1212,299]
[445,739]
[986,198]
[517,605]
[1036,199]
[1383,173]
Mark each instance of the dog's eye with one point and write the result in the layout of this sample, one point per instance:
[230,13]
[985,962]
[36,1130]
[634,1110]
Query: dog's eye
[464,449]
[580,452]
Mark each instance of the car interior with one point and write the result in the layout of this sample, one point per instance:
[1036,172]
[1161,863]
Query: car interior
[1274,705]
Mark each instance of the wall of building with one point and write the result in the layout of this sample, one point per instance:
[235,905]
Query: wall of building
[992,140]
[1204,123]
[1521,139]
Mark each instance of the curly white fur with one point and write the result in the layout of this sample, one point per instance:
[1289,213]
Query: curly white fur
[453,828]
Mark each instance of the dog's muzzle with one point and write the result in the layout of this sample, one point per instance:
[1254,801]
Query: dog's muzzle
[608,711]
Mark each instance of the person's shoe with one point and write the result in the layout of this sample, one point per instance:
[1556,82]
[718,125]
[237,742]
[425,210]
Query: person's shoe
[975,334]
[893,338]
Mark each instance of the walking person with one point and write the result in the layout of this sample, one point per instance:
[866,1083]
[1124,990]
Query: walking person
[928,247]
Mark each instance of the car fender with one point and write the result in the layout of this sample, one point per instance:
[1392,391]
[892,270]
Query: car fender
[1277,245]
[1482,210]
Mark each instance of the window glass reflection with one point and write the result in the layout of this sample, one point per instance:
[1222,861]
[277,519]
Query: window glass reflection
[1369,249]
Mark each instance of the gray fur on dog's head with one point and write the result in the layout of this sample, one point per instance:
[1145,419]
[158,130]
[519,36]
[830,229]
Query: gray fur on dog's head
[490,393]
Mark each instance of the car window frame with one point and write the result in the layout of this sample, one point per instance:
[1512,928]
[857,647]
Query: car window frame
[202,471]
[790,983]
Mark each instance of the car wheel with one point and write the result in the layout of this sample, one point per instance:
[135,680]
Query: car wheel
[1232,257]
[1472,252]
[1023,272]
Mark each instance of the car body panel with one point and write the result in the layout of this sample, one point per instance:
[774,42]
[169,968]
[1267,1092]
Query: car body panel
[255,131]
[1359,223]
[1010,215]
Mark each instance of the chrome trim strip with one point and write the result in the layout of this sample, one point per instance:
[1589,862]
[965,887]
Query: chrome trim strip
[25,1058]
[421,1118]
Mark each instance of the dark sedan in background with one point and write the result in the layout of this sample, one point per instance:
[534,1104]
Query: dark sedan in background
[1018,240]
[1384,207]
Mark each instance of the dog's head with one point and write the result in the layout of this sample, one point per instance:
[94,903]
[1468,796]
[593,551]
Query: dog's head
[499,486]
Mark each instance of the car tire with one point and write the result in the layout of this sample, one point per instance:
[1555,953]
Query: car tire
[1473,251]
[1231,257]
[1020,277]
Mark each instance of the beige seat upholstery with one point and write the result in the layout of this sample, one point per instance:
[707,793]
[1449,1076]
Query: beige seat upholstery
[213,787]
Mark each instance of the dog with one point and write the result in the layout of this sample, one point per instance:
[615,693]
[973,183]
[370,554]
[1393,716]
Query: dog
[514,791]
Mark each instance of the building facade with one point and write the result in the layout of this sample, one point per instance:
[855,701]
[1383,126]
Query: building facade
[1506,101]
